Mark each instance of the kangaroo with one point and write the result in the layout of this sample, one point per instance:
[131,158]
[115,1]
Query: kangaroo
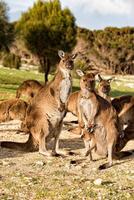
[124,106]
[46,112]
[103,90]
[28,88]
[13,109]
[97,115]
[128,135]
[104,87]
[71,103]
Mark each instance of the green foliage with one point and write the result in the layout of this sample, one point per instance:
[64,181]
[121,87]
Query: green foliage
[11,60]
[45,28]
[6,29]
[112,47]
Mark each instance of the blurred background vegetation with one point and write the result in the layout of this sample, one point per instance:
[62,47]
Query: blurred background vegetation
[32,43]
[44,28]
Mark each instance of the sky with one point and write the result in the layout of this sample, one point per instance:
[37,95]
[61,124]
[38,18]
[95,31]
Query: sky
[92,14]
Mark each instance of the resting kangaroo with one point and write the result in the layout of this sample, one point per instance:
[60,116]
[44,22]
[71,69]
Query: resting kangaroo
[28,88]
[45,114]
[13,109]
[97,114]
[124,106]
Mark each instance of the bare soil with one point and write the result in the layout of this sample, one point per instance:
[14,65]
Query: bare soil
[35,177]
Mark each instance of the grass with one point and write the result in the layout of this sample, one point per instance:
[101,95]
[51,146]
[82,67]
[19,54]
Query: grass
[10,79]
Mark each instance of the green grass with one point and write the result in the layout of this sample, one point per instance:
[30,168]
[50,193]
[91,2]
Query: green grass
[10,79]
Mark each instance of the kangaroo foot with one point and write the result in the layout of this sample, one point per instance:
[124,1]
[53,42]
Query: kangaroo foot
[45,153]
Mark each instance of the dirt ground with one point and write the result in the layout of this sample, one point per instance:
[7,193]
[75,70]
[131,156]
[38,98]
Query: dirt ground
[33,176]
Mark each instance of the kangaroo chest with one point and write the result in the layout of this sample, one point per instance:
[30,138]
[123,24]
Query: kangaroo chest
[65,88]
[86,107]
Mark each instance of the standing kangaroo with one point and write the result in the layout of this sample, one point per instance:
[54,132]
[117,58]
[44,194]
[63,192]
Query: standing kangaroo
[45,114]
[104,87]
[95,114]
[103,90]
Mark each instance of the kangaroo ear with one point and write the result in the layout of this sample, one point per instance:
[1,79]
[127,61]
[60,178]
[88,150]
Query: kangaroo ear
[74,55]
[111,79]
[99,78]
[61,54]
[80,73]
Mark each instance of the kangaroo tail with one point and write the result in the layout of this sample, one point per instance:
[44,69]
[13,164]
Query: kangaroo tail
[28,146]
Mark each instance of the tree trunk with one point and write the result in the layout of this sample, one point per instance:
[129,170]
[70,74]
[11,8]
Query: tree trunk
[45,67]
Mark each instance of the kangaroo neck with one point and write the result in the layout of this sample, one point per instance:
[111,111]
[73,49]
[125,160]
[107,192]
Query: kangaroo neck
[62,85]
[85,93]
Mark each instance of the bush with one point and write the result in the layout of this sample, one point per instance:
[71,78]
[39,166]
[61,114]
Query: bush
[12,61]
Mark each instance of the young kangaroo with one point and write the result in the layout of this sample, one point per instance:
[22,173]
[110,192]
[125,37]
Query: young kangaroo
[45,114]
[28,88]
[95,114]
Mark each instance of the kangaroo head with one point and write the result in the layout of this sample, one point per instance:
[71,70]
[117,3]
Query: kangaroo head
[67,60]
[87,81]
[104,85]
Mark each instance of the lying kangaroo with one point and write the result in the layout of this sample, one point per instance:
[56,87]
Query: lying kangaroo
[28,88]
[124,106]
[128,135]
[13,109]
[95,114]
[45,114]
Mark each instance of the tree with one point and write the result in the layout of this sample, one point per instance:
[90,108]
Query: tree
[45,28]
[6,29]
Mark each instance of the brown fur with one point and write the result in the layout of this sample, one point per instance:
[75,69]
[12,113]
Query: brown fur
[104,88]
[72,103]
[93,111]
[28,88]
[124,106]
[128,135]
[13,109]
[45,114]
